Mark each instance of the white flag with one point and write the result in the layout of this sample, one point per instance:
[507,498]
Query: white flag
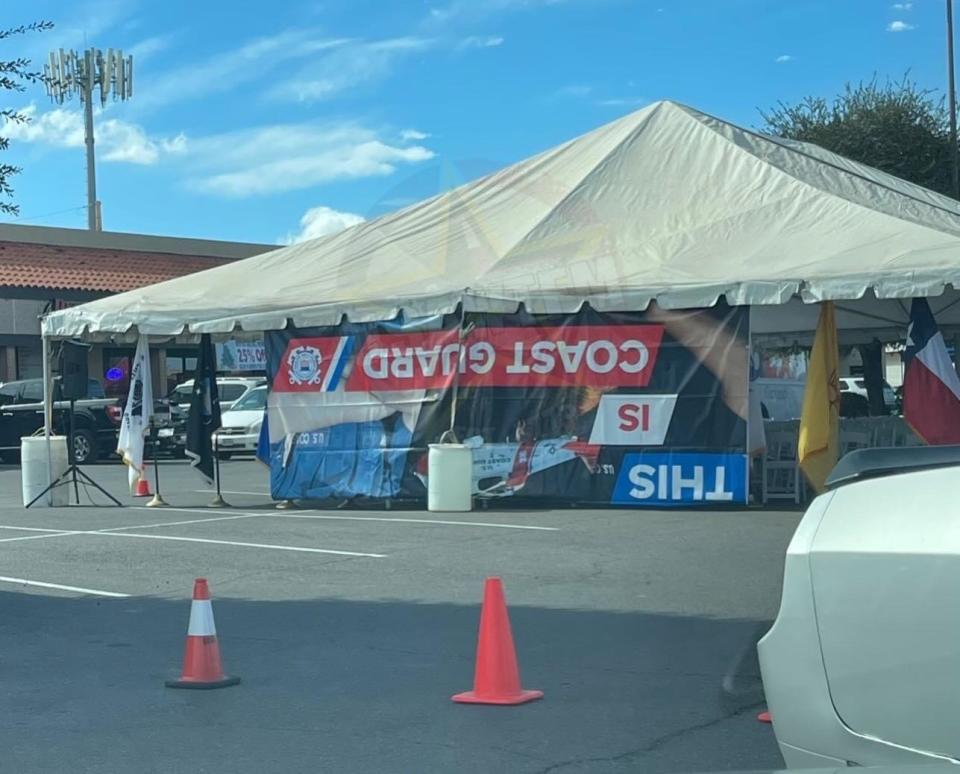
[137,413]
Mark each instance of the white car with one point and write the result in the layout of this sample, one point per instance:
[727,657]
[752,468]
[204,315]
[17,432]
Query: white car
[240,424]
[229,388]
[861,666]
[858,385]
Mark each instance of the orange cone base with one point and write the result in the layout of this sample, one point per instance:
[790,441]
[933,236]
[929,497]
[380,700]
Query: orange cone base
[472,697]
[201,685]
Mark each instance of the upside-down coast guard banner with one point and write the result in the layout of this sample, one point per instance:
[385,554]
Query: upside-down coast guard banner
[630,408]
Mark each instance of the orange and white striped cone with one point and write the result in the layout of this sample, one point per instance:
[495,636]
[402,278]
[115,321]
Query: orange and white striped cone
[201,656]
[142,488]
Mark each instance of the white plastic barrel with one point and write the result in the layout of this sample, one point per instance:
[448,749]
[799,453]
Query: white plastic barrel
[33,469]
[449,474]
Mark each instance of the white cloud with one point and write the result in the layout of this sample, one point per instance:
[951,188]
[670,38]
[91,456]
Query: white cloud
[226,71]
[263,160]
[899,26]
[481,41]
[86,22]
[622,102]
[288,157]
[149,47]
[348,65]
[902,6]
[577,90]
[322,221]
[783,58]
[116,140]
[460,11]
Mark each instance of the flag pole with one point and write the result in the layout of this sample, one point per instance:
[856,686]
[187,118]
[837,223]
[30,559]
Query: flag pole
[218,501]
[157,501]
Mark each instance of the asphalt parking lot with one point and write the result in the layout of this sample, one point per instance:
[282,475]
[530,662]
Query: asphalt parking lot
[352,629]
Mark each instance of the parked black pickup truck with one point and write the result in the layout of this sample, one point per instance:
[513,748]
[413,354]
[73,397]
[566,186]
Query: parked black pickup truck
[21,413]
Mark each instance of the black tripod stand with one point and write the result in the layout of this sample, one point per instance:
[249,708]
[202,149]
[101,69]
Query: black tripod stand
[74,473]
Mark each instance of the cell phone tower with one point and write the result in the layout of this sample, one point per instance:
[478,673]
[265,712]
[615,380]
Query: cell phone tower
[81,73]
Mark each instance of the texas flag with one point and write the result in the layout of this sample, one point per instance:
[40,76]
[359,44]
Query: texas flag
[931,387]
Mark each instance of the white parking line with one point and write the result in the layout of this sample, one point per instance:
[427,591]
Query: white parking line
[398,519]
[59,532]
[36,537]
[178,538]
[78,589]
[303,549]
[179,523]
[411,521]
[234,491]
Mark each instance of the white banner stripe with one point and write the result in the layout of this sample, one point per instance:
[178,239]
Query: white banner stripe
[201,619]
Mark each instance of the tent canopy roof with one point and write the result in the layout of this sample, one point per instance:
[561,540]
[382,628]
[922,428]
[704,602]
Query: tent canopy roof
[665,204]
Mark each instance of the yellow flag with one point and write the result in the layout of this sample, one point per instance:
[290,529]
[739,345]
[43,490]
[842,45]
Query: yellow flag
[818,447]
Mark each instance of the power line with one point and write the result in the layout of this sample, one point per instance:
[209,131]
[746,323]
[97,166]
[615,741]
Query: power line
[27,219]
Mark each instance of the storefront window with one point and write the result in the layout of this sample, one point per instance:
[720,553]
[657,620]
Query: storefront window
[181,364]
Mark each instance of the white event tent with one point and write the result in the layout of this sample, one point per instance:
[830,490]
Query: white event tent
[665,204]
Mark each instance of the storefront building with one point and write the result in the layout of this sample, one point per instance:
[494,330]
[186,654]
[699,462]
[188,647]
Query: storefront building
[43,269]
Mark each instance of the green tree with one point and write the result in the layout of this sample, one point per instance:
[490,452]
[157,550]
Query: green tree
[15,74]
[897,127]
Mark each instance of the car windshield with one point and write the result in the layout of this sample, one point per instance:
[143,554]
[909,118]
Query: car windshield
[229,392]
[181,393]
[252,401]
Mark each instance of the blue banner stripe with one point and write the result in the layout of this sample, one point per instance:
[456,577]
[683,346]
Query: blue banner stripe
[341,363]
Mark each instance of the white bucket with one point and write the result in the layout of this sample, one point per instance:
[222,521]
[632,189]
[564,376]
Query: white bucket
[33,469]
[449,475]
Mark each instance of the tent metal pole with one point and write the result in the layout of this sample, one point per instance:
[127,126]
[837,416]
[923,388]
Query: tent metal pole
[48,412]
[952,105]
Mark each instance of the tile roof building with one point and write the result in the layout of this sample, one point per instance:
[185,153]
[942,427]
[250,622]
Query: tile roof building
[43,268]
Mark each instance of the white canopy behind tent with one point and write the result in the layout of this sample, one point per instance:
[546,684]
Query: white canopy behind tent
[666,203]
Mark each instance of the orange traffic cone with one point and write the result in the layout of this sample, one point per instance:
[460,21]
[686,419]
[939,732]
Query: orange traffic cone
[142,488]
[201,657]
[497,677]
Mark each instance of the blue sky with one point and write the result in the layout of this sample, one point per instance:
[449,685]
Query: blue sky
[265,122]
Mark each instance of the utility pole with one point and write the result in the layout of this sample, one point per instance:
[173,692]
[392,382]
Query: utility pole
[69,73]
[952,101]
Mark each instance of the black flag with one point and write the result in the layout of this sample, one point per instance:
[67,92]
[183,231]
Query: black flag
[204,418]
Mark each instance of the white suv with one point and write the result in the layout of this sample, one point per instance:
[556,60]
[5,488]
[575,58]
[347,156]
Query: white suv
[240,428]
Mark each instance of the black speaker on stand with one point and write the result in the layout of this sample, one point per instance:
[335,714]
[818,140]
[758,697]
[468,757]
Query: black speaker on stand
[74,379]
